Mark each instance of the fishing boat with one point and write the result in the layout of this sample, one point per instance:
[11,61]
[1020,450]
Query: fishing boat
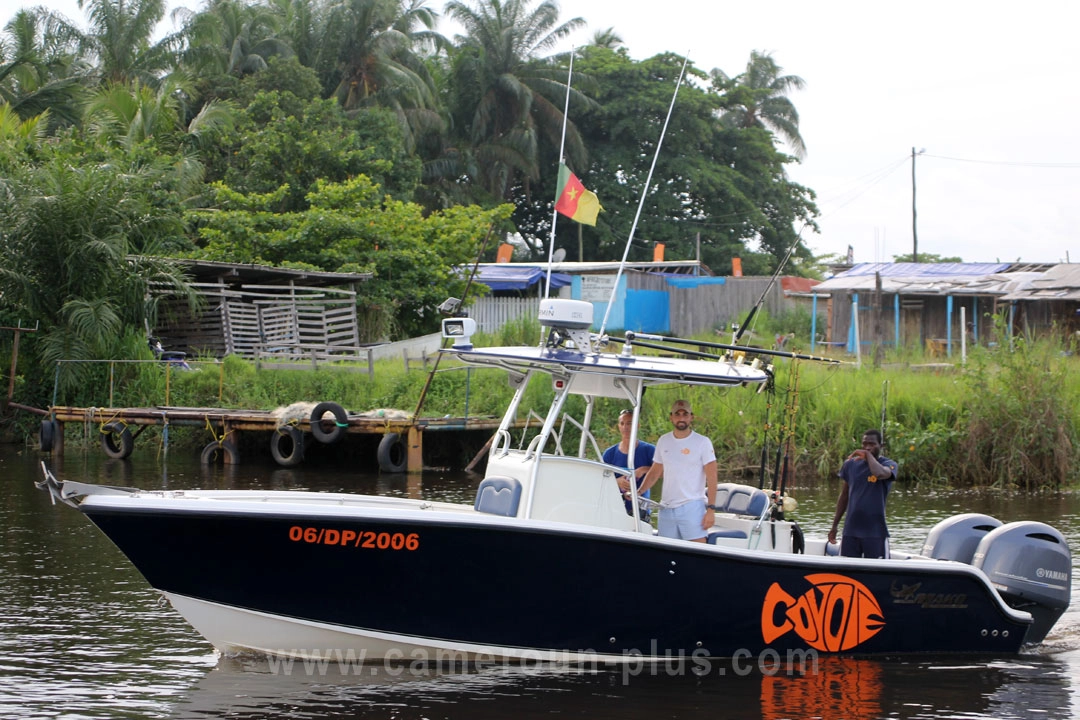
[547,564]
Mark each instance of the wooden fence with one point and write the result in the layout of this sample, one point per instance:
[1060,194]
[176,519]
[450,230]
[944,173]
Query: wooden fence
[491,313]
[263,320]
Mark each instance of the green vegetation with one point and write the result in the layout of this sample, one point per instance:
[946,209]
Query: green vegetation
[350,136]
[1009,420]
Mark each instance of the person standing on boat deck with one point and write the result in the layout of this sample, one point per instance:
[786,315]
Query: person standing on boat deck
[619,454]
[867,476]
[687,462]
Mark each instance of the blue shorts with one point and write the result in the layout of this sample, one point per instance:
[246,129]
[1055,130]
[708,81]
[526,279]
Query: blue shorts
[851,546]
[682,522]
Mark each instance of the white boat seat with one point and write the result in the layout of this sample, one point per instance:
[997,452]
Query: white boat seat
[741,500]
[498,496]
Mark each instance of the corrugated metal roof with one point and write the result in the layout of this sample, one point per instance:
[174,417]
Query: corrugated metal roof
[925,270]
[921,278]
[1061,282]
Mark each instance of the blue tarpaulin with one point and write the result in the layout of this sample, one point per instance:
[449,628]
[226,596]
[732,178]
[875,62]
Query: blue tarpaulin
[517,277]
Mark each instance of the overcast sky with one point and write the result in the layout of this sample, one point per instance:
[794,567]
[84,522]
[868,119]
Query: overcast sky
[989,91]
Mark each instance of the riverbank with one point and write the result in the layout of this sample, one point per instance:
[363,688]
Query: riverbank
[1007,419]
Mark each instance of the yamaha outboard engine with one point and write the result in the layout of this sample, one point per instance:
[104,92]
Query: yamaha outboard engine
[1030,565]
[956,538]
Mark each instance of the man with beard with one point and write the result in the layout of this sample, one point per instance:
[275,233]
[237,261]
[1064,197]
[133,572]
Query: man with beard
[687,462]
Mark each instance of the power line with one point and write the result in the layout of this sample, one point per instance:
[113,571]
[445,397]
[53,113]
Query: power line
[1006,162]
[851,196]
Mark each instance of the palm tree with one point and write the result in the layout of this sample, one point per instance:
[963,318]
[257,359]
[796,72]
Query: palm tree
[66,255]
[368,56]
[39,69]
[607,39]
[232,37]
[120,40]
[758,98]
[507,95]
[132,113]
[299,27]
[368,52]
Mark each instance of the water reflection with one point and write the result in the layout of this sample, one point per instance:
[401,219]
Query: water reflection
[82,635]
[856,689]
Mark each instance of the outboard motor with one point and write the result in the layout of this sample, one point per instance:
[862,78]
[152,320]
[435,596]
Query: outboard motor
[1030,565]
[956,538]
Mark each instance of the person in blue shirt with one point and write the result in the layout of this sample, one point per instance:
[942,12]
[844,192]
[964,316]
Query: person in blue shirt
[619,454]
[867,476]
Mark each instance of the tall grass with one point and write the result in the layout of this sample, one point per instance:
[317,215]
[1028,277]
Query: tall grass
[1009,419]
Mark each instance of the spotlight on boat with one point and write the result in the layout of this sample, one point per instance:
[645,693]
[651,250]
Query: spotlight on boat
[460,330]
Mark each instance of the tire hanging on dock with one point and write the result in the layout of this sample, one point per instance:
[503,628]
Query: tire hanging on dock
[116,440]
[393,456]
[223,449]
[321,430]
[48,435]
[287,445]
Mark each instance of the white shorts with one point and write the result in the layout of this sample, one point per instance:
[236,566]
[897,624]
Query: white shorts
[682,522]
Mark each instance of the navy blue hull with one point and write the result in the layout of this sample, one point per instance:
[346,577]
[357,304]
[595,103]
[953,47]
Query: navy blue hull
[515,586]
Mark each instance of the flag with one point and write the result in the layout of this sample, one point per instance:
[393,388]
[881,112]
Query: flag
[574,201]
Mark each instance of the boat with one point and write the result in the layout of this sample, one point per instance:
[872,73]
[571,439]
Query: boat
[547,564]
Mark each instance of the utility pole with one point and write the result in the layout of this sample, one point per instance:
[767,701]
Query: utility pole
[914,227]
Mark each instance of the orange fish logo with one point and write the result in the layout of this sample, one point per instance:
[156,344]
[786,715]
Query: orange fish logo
[834,615]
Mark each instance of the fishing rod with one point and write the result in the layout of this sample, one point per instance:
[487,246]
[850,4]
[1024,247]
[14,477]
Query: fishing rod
[644,194]
[632,337]
[772,281]
[765,435]
[884,408]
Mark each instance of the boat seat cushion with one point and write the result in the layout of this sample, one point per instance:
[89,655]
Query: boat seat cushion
[715,534]
[498,496]
[746,500]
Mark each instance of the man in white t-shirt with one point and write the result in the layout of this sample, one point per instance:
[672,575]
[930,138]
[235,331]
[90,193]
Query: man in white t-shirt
[687,462]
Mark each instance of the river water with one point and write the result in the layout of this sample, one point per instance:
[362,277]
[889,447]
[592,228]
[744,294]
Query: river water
[83,636]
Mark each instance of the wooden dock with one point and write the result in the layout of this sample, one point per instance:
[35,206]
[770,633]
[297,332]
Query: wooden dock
[401,445]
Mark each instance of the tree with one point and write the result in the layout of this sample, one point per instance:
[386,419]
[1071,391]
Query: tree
[75,256]
[282,139]
[135,113]
[506,98]
[39,68]
[758,98]
[368,59]
[120,40]
[352,227]
[232,37]
[724,185]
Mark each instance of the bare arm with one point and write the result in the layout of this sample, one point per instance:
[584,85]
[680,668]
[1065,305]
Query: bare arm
[651,477]
[881,472]
[841,508]
[710,495]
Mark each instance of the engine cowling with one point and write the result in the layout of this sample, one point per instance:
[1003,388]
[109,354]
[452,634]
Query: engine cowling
[1031,566]
[956,538]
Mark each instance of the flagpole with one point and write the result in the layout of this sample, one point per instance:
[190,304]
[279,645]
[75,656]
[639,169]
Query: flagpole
[644,193]
[562,145]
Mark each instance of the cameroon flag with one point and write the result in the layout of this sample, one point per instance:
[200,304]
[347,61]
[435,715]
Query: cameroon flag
[574,201]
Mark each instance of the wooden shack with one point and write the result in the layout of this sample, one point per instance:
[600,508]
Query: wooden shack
[255,311]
